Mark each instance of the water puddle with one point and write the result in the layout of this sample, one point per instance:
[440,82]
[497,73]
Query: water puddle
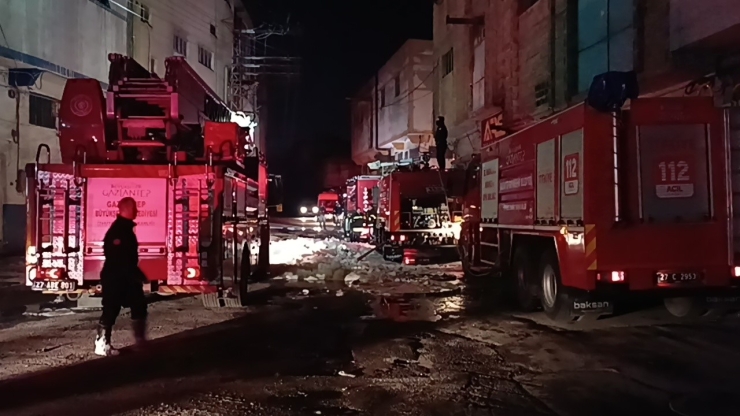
[415,307]
[322,402]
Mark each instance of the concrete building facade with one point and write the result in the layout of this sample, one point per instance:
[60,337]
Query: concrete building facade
[47,42]
[393,114]
[508,63]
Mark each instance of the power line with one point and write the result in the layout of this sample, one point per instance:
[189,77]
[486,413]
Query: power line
[421,83]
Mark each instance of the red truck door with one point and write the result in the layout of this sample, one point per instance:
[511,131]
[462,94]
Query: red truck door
[671,209]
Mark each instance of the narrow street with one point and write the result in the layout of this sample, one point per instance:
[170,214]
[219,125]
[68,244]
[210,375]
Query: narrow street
[333,335]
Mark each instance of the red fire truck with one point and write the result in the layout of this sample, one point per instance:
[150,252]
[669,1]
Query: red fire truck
[359,208]
[585,205]
[201,187]
[419,214]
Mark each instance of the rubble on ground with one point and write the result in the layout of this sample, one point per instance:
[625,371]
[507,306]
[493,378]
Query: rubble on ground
[316,261]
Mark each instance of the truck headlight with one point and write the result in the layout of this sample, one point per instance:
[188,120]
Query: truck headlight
[304,210]
[315,210]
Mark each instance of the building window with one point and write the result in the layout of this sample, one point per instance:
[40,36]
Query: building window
[213,30]
[205,57]
[382,97]
[153,66]
[448,63]
[42,111]
[144,13]
[181,46]
[605,38]
[397,85]
[227,81]
[479,74]
[524,5]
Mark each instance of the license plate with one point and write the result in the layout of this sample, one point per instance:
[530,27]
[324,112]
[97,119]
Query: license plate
[674,278]
[54,285]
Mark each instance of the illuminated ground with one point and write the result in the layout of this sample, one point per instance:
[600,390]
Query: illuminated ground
[332,335]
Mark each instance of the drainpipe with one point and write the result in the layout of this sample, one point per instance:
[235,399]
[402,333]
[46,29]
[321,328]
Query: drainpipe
[553,50]
[376,111]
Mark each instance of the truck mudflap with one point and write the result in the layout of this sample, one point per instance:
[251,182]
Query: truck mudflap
[603,304]
[726,301]
[587,304]
[418,255]
[186,289]
[392,253]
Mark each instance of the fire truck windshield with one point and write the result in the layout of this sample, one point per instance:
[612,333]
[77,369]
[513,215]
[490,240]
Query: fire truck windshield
[424,213]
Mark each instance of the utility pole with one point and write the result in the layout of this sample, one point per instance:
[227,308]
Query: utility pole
[250,63]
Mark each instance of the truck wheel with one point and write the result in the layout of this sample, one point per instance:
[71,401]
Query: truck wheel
[524,271]
[554,300]
[685,307]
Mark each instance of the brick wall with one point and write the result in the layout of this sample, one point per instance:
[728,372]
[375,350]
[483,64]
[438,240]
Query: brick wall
[453,94]
[531,55]
[534,61]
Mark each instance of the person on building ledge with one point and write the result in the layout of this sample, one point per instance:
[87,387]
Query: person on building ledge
[440,138]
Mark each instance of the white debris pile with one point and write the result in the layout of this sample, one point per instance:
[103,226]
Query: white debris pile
[384,277]
[318,261]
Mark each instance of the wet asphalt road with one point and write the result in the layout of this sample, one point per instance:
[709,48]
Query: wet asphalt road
[363,355]
[320,355]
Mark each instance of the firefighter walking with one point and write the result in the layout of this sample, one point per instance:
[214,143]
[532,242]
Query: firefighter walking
[122,279]
[321,218]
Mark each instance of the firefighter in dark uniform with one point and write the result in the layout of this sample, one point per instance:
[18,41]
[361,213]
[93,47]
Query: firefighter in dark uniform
[440,139]
[121,278]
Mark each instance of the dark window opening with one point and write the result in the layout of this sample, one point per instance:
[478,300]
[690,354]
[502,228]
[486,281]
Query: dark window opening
[145,13]
[41,111]
[448,63]
[397,85]
[213,30]
[525,5]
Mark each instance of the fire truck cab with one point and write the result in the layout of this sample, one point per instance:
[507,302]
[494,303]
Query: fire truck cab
[419,214]
[359,207]
[201,188]
[585,205]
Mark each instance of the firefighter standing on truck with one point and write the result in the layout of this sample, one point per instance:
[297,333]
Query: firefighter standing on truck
[121,278]
[440,140]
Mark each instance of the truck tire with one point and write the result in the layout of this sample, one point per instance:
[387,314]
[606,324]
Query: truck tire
[555,301]
[685,307]
[524,273]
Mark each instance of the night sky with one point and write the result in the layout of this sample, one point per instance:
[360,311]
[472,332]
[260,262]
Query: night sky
[341,44]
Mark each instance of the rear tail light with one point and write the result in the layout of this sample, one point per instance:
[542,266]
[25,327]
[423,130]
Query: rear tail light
[31,255]
[736,271]
[610,277]
[52,273]
[191,273]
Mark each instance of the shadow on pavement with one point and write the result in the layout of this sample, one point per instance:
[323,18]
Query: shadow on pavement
[315,339]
